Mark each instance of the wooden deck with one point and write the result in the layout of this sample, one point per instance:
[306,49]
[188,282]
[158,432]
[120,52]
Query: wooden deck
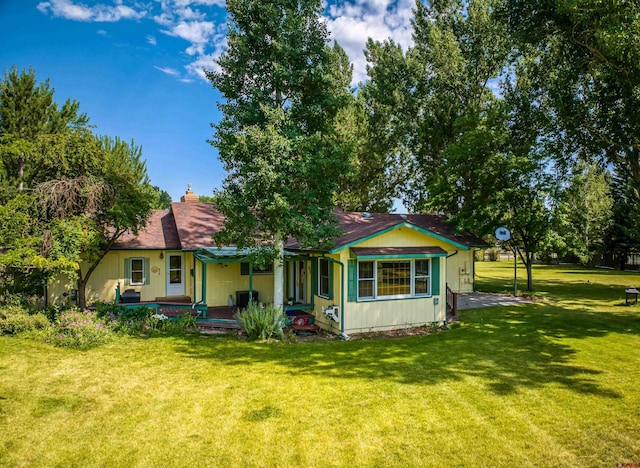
[219,316]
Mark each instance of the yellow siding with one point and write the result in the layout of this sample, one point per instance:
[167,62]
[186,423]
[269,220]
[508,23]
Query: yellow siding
[224,279]
[458,267]
[398,313]
[320,302]
[405,237]
[393,314]
[460,271]
[110,271]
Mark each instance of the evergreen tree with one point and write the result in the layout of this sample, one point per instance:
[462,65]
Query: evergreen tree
[28,111]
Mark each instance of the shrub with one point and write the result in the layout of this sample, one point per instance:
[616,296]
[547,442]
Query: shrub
[122,319]
[79,330]
[188,321]
[494,254]
[262,323]
[16,319]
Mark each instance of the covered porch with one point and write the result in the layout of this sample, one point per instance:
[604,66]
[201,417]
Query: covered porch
[227,277]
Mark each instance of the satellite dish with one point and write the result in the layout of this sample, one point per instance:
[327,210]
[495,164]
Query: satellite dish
[503,234]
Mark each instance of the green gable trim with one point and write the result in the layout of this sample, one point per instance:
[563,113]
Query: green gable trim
[398,226]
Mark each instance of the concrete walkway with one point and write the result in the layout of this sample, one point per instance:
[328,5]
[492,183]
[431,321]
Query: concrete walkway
[481,299]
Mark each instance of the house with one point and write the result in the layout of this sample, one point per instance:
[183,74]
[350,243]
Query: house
[385,271]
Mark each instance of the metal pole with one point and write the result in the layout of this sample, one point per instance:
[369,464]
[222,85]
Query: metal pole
[515,270]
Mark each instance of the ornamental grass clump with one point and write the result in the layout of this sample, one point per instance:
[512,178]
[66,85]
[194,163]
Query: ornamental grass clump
[262,322]
[79,330]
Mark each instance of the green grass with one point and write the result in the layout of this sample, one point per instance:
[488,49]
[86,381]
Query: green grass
[553,383]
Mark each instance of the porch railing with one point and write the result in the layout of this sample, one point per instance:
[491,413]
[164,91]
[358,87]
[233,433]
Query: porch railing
[452,302]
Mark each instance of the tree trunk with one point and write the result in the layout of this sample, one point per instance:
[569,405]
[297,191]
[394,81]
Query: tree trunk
[527,259]
[278,273]
[529,266]
[21,172]
[82,294]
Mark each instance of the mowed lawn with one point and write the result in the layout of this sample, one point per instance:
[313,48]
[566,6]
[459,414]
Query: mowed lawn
[553,383]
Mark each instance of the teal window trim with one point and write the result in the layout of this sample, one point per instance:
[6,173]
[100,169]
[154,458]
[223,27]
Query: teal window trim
[352,280]
[398,226]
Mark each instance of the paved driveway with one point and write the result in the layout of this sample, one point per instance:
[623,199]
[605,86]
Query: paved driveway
[482,299]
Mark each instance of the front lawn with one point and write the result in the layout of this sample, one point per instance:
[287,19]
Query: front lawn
[553,383]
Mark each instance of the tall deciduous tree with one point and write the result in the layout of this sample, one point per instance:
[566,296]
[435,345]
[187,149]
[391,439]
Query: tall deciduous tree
[475,154]
[623,236]
[593,76]
[459,50]
[583,214]
[163,199]
[276,138]
[88,206]
[84,192]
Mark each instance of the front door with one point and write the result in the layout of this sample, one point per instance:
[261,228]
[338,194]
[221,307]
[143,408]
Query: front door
[175,275]
[297,281]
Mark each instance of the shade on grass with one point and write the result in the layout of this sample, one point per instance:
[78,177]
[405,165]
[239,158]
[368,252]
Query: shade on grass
[553,383]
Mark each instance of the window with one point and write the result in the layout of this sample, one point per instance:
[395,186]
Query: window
[136,272]
[366,280]
[263,270]
[390,279]
[422,278]
[323,278]
[394,278]
[175,269]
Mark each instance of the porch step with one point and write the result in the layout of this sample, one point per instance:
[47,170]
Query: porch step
[312,328]
[175,299]
[218,323]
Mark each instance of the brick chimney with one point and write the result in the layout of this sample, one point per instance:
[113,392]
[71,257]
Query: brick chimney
[189,196]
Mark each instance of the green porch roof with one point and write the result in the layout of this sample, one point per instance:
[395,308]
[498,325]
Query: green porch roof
[228,254]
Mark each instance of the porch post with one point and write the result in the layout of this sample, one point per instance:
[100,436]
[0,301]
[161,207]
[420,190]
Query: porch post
[204,283]
[250,281]
[193,278]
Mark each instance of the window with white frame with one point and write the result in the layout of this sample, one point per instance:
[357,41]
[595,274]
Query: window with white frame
[136,271]
[422,278]
[392,279]
[323,277]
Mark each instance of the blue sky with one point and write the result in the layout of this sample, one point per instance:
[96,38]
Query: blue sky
[135,67]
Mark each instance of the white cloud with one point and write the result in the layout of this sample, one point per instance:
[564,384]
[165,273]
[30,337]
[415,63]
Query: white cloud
[204,61]
[96,13]
[66,10]
[185,3]
[198,33]
[102,32]
[189,14]
[167,70]
[351,24]
[164,19]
